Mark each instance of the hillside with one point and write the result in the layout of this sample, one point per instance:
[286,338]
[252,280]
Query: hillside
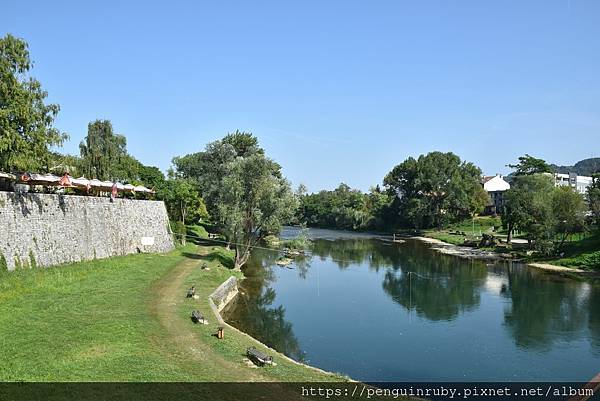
[583,167]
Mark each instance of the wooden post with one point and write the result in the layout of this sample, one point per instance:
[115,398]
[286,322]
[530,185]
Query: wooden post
[220,333]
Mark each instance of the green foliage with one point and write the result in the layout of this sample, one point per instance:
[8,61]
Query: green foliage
[151,176]
[436,189]
[593,196]
[179,231]
[59,164]
[26,121]
[568,209]
[197,231]
[546,213]
[528,207]
[591,261]
[346,209]
[182,200]
[32,262]
[3,264]
[529,165]
[301,242]
[243,189]
[102,151]
[104,156]
[254,201]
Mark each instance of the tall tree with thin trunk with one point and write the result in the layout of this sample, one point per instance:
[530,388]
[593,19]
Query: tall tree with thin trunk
[255,201]
[26,122]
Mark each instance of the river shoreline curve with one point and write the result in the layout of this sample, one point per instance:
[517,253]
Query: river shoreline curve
[228,291]
[473,253]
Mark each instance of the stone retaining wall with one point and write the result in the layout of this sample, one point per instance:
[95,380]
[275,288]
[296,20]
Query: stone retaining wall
[50,229]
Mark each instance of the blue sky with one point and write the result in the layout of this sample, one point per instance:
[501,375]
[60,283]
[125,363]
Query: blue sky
[335,90]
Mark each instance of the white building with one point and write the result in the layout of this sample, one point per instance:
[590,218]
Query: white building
[495,186]
[578,182]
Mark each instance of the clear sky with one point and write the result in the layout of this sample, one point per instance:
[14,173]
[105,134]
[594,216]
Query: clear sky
[335,90]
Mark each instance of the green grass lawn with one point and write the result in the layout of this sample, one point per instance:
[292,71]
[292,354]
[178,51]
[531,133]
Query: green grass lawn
[580,251]
[471,228]
[107,320]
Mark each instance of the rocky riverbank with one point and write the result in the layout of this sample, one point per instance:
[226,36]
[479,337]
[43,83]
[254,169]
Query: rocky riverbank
[474,253]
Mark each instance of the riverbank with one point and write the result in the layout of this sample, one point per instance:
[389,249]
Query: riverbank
[127,319]
[482,254]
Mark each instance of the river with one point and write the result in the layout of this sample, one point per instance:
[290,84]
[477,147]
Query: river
[382,311]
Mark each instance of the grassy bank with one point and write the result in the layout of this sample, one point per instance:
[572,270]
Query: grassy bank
[582,251]
[113,320]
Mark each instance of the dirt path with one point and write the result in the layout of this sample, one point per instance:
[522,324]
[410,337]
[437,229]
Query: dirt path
[184,343]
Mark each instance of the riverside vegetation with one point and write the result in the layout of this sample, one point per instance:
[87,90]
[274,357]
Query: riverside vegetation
[233,184]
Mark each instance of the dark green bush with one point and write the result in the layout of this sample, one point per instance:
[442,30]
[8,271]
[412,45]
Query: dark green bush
[591,261]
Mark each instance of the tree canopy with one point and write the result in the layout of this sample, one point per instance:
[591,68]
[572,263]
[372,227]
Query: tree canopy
[26,121]
[345,208]
[103,152]
[436,189]
[244,190]
[529,165]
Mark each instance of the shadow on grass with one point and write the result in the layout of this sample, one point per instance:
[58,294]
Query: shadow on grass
[210,257]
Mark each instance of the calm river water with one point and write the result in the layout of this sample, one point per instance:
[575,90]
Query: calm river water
[354,308]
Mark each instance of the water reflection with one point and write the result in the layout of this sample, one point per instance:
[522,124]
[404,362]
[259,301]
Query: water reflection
[255,312]
[545,309]
[526,315]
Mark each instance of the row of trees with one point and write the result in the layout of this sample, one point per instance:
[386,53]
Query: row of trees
[548,215]
[433,190]
[346,208]
[246,192]
[28,136]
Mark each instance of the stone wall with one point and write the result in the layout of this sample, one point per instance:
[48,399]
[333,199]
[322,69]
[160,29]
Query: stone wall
[49,229]
[224,293]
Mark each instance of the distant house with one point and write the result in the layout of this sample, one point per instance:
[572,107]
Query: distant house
[495,186]
[580,183]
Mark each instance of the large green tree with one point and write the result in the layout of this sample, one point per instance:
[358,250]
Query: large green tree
[568,209]
[102,151]
[593,196]
[26,122]
[528,207]
[436,189]
[244,190]
[182,200]
[529,165]
[210,167]
[254,202]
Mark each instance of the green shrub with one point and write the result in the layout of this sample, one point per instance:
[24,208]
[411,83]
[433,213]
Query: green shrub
[179,231]
[591,261]
[32,262]
[3,264]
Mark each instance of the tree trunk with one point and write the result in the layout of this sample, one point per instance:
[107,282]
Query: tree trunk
[510,234]
[241,257]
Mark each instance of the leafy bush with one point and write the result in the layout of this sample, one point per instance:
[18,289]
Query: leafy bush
[179,231]
[301,242]
[591,261]
[3,264]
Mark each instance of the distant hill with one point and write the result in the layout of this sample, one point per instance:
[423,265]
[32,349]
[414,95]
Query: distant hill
[583,167]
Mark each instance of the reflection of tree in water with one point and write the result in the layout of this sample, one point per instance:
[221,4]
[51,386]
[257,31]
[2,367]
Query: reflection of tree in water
[252,309]
[543,308]
[345,252]
[439,289]
[594,318]
[267,323]
[546,308]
